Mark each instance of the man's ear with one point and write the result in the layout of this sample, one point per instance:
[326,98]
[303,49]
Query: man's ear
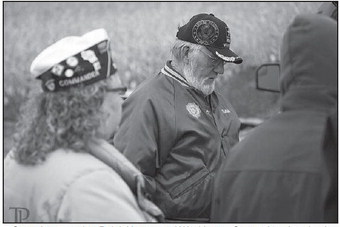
[186,51]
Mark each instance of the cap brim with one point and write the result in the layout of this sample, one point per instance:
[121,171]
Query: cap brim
[226,55]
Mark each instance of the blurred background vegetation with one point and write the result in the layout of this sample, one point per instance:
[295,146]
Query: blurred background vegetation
[141,35]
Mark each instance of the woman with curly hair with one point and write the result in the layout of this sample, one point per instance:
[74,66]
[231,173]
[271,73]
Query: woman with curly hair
[61,168]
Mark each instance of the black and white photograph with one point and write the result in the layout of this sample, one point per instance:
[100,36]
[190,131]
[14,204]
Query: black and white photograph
[170,113]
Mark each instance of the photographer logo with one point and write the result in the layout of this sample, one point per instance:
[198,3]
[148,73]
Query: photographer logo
[20,213]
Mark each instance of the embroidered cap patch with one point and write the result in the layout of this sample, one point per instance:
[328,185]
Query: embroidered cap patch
[205,32]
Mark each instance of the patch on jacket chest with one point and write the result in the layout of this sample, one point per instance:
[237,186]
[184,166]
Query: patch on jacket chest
[225,111]
[194,110]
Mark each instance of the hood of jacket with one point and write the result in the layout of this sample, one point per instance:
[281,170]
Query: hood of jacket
[309,60]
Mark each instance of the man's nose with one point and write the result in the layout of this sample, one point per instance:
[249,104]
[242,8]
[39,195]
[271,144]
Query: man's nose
[219,68]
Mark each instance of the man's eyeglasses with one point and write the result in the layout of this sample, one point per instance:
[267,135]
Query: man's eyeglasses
[214,60]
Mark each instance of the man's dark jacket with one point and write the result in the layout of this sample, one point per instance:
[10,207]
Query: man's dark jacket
[178,139]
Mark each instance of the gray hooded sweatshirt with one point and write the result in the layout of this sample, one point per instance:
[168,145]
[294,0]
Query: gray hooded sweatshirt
[279,172]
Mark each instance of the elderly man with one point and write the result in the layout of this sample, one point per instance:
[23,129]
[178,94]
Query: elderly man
[176,129]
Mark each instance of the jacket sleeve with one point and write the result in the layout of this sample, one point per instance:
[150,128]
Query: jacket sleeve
[100,196]
[137,137]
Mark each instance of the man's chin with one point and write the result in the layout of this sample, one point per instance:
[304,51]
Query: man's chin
[207,90]
[208,86]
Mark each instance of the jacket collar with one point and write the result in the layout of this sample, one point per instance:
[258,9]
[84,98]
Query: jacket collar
[169,71]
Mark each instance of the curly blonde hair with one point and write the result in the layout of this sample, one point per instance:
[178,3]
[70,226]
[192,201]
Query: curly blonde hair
[52,120]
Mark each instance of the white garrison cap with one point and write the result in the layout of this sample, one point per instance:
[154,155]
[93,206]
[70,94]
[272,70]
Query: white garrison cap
[74,60]
[65,48]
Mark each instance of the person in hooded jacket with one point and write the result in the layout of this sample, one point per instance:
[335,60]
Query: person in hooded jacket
[278,173]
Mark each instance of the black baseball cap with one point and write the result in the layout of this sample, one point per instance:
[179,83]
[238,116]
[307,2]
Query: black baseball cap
[209,31]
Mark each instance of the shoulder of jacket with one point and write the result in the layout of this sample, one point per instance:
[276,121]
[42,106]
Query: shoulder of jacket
[78,164]
[156,89]
[156,83]
[44,185]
